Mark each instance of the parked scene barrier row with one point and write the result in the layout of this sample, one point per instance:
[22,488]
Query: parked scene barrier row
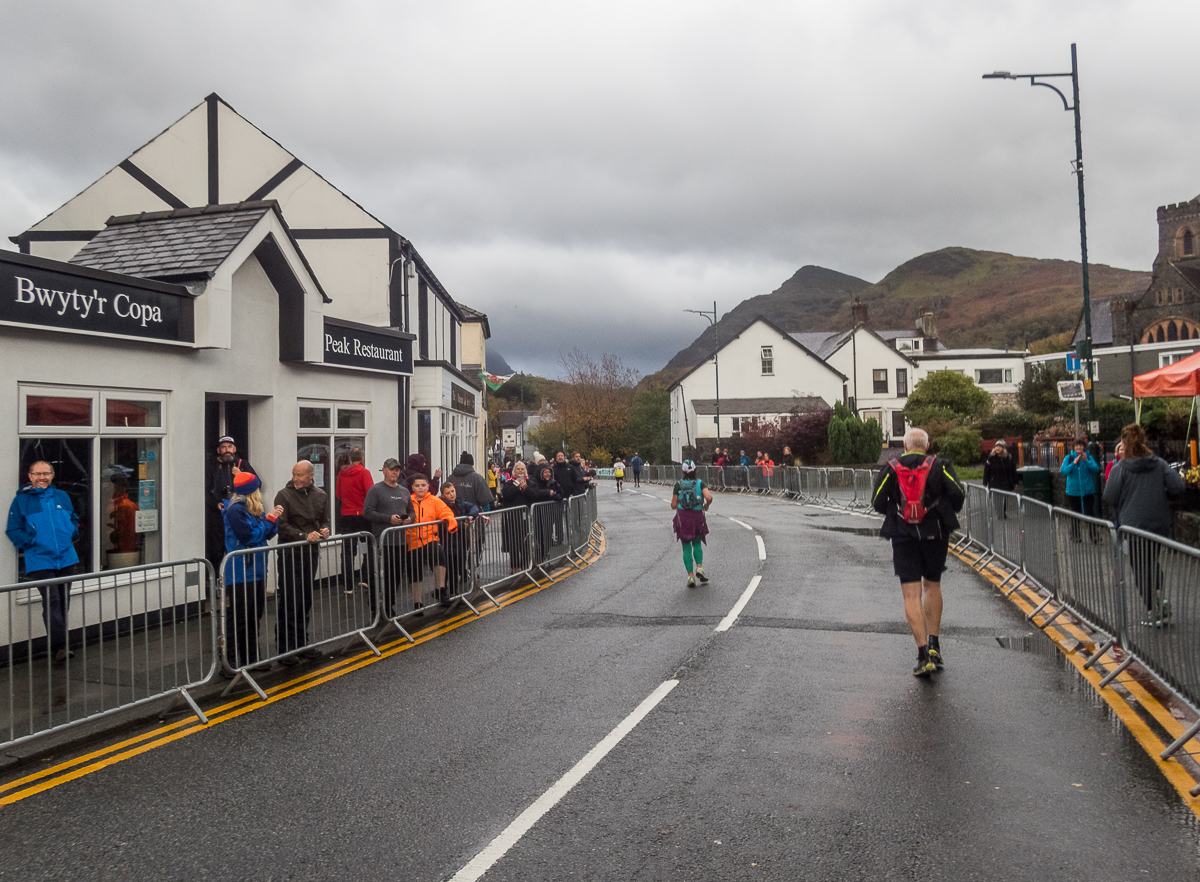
[837,486]
[118,639]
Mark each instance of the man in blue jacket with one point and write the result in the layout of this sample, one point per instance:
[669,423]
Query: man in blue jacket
[42,523]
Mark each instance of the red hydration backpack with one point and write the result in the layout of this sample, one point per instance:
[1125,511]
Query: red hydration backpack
[912,488]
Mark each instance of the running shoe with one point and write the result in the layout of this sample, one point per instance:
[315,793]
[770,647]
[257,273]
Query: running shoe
[1166,610]
[935,656]
[925,666]
[701,575]
[691,581]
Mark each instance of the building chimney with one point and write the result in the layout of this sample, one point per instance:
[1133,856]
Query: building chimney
[858,312]
[926,326]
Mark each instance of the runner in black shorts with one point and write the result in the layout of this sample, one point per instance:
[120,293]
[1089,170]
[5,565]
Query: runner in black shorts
[919,550]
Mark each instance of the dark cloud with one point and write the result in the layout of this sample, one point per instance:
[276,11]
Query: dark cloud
[623,161]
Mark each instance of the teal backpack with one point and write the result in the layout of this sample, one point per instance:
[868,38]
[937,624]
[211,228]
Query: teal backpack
[689,495]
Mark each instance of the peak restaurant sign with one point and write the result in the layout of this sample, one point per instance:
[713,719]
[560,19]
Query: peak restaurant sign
[61,297]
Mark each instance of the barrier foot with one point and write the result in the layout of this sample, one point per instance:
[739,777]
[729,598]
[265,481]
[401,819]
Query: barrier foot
[1004,581]
[1021,581]
[489,596]
[1099,653]
[365,639]
[186,696]
[470,605]
[243,677]
[983,560]
[1039,608]
[1044,625]
[1116,671]
[1183,739]
[400,628]
[175,697]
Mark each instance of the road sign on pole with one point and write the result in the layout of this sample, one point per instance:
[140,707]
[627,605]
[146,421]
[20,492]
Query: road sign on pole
[1073,363]
[1071,390]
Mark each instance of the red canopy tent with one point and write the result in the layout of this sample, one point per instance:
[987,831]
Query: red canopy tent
[1178,380]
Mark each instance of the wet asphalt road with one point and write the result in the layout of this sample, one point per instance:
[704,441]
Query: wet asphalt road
[797,744]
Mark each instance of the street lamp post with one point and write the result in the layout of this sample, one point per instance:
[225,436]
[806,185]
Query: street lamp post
[712,319]
[1086,354]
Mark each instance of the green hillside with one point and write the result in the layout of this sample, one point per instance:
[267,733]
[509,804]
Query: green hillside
[980,299]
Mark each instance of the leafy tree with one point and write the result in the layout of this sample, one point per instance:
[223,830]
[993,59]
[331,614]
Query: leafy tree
[961,446]
[1012,423]
[1038,392]
[841,448]
[945,396]
[548,438]
[649,427]
[595,404]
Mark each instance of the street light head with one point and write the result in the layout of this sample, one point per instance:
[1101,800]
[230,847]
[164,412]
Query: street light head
[999,75]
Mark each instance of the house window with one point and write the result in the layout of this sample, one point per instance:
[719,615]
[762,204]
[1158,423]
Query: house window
[327,433]
[880,382]
[106,449]
[1189,243]
[901,382]
[897,423]
[737,424]
[989,376]
[1166,358]
[909,345]
[768,361]
[1008,375]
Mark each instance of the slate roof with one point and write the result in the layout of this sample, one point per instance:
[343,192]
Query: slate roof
[512,419]
[1102,331]
[824,343]
[183,243]
[751,406]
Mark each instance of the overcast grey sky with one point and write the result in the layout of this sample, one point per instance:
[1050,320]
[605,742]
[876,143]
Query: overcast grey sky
[583,172]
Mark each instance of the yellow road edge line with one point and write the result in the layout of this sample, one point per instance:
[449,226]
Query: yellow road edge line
[1141,731]
[87,764]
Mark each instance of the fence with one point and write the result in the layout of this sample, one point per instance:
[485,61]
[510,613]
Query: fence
[1137,589]
[851,488]
[106,642]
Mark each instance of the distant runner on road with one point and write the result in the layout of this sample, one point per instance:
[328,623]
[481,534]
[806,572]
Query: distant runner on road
[690,498]
[919,496]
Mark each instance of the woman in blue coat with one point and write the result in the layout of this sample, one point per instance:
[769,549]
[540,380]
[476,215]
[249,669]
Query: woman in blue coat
[246,526]
[1080,471]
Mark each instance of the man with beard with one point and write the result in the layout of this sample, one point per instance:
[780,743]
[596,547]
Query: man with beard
[219,488]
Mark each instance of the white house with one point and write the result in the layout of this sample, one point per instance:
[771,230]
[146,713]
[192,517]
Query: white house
[764,373]
[372,275]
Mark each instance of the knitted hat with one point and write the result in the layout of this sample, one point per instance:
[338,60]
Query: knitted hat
[246,483]
[467,459]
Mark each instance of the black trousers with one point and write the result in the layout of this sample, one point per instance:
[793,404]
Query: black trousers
[247,603]
[55,601]
[297,567]
[353,524]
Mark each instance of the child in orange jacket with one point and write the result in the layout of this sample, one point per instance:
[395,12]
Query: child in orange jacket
[422,540]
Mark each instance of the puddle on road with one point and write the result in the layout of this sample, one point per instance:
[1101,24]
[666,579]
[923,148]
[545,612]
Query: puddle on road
[1035,644]
[853,531]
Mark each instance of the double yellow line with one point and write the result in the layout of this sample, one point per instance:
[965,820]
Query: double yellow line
[1179,777]
[87,764]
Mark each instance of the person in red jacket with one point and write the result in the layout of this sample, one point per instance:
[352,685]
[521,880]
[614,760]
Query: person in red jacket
[353,482]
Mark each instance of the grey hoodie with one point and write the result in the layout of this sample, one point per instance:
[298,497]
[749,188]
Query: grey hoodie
[471,486]
[1138,488]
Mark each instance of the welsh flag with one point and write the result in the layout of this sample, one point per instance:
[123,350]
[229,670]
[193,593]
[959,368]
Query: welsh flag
[495,381]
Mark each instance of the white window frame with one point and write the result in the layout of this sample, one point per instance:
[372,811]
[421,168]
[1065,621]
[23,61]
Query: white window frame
[1166,358]
[100,395]
[767,357]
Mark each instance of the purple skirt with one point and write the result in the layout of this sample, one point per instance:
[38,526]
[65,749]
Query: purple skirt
[690,525]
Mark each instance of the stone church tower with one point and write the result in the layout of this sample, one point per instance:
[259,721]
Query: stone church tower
[1170,308]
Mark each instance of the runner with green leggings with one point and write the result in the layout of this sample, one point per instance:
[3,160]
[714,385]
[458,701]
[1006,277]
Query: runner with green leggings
[691,498]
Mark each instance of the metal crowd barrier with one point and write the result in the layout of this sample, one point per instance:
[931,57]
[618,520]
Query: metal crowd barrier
[128,637]
[286,600]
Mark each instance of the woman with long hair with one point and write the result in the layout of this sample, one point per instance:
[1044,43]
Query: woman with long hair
[1138,489]
[246,526]
[515,532]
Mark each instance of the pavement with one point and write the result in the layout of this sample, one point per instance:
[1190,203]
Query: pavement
[618,725]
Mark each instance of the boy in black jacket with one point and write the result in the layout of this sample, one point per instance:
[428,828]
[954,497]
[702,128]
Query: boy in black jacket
[919,550]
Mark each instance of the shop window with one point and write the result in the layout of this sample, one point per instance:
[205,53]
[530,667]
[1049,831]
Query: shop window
[54,410]
[329,451]
[879,382]
[113,473]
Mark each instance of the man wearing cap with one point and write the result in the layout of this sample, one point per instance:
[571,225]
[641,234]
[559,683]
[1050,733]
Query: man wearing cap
[305,519]
[388,504]
[221,473]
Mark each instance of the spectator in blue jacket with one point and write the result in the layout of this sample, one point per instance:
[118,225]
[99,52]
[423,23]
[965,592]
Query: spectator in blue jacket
[246,526]
[1080,471]
[42,523]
